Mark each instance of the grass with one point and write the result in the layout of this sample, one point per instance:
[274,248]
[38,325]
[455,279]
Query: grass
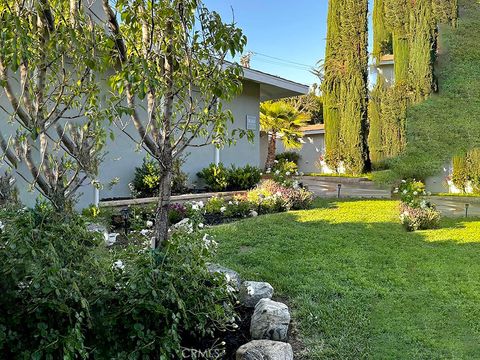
[447,123]
[359,285]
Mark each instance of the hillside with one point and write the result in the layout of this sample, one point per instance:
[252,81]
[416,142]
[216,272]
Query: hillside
[448,122]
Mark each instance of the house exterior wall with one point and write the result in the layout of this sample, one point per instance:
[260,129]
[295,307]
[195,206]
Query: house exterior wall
[310,153]
[123,155]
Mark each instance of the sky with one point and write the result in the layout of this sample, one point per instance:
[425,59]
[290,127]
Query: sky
[287,36]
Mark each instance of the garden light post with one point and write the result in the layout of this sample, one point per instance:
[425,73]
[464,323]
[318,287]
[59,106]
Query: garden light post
[466,209]
[339,186]
[125,212]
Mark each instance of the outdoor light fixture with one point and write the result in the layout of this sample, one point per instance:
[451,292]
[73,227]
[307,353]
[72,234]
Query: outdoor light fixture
[339,186]
[125,212]
[466,209]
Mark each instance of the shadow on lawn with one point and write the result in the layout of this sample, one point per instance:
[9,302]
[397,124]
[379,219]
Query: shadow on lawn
[365,288]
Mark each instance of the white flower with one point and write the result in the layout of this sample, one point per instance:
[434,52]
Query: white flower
[230,203]
[118,265]
[395,191]
[275,161]
[21,285]
[209,241]
[222,209]
[201,225]
[144,232]
[404,181]
[253,213]
[404,192]
[277,172]
[288,173]
[268,171]
[149,223]
[415,193]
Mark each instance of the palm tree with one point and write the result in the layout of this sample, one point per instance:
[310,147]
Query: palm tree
[279,119]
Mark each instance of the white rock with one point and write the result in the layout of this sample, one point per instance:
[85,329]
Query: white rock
[99,229]
[184,225]
[270,320]
[232,277]
[265,350]
[251,292]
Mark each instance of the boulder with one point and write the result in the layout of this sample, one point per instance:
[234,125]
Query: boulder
[232,277]
[251,292]
[270,321]
[265,350]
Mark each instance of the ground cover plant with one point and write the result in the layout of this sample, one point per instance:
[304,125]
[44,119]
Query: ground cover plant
[360,285]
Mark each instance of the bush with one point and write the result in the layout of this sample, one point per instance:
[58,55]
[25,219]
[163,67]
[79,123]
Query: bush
[243,178]
[419,218]
[147,179]
[64,295]
[288,156]
[215,177]
[283,171]
[219,178]
[416,213]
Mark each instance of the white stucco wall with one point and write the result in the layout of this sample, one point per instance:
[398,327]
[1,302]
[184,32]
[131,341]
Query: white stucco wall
[310,153]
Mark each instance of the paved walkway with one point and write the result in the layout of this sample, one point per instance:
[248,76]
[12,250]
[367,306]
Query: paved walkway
[351,188]
[354,188]
[455,206]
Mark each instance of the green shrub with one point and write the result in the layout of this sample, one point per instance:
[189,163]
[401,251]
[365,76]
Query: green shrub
[215,177]
[64,295]
[288,156]
[219,178]
[147,179]
[243,178]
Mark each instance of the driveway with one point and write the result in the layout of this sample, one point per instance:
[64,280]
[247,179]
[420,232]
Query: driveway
[351,188]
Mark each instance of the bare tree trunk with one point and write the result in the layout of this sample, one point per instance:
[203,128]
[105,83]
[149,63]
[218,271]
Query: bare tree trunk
[272,148]
[164,194]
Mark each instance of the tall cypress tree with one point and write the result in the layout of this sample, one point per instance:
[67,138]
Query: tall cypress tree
[397,16]
[331,85]
[421,33]
[382,36]
[345,84]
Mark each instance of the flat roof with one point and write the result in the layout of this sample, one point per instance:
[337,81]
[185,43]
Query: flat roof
[313,129]
[274,87]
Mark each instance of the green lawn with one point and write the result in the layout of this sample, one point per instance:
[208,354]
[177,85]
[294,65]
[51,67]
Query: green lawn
[362,287]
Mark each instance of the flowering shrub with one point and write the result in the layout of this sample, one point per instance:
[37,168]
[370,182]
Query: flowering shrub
[412,192]
[417,213]
[65,295]
[292,198]
[419,218]
[283,172]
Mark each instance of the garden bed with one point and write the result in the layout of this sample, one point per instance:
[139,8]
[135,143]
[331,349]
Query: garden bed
[180,199]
